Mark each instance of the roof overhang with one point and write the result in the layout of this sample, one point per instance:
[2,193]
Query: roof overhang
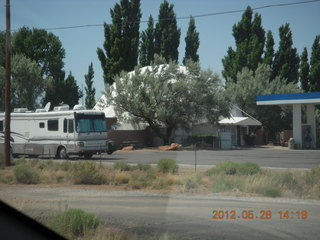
[240,121]
[289,99]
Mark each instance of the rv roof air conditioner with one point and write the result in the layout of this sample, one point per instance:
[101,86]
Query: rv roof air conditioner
[20,110]
[64,107]
[79,107]
[40,110]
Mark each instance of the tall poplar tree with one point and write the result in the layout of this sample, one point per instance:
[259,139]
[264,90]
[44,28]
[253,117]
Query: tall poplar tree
[315,66]
[249,37]
[269,51]
[304,72]
[167,34]
[286,60]
[89,89]
[121,40]
[192,43]
[146,54]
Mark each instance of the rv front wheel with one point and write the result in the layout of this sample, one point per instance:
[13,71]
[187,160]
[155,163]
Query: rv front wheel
[62,153]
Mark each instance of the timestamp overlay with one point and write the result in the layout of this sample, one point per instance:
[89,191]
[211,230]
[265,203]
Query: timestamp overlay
[272,218]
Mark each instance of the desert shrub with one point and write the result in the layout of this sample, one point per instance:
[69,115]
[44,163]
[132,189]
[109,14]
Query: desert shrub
[234,168]
[84,172]
[270,191]
[313,176]
[224,183]
[74,223]
[248,168]
[122,166]
[65,166]
[20,161]
[143,167]
[193,181]
[167,165]
[138,181]
[285,179]
[25,174]
[121,178]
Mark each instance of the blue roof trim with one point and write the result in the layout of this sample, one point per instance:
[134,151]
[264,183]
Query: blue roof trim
[288,96]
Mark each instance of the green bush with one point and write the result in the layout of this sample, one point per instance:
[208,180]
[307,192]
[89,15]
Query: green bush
[227,183]
[234,168]
[74,223]
[25,174]
[248,168]
[144,167]
[122,166]
[167,165]
[84,172]
[271,191]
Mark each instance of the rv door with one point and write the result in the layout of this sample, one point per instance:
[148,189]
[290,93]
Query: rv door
[68,129]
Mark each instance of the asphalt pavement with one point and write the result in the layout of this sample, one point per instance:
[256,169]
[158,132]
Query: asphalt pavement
[273,157]
[189,216]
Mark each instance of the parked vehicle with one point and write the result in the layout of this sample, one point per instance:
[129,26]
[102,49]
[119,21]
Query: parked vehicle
[58,133]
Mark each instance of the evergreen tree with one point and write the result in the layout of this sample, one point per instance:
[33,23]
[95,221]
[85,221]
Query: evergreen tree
[147,44]
[269,51]
[286,60]
[121,40]
[71,92]
[90,90]
[304,71]
[315,66]
[192,43]
[249,37]
[167,34]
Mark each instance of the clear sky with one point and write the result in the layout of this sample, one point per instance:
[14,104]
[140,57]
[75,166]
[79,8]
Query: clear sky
[215,31]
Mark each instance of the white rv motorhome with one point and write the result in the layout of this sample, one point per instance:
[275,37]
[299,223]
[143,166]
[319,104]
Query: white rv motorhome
[59,133]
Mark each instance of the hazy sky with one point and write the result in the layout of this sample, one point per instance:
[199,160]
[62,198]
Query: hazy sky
[81,44]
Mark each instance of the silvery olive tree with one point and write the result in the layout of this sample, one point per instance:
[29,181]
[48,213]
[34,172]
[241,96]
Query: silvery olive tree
[168,96]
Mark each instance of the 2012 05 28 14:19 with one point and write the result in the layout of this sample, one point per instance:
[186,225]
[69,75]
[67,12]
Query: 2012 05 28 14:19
[262,214]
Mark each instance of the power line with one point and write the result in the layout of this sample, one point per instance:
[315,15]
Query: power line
[194,16]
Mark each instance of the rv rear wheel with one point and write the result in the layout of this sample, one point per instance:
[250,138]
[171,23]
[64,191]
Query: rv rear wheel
[62,153]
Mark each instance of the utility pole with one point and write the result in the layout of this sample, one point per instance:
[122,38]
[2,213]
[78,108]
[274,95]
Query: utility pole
[7,153]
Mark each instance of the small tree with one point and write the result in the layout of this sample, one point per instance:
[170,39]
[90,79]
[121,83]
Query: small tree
[259,82]
[72,92]
[90,90]
[168,96]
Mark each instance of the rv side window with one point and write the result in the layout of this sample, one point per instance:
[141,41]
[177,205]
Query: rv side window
[71,126]
[1,126]
[65,125]
[41,125]
[53,125]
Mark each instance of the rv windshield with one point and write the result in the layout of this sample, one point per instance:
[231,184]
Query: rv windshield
[90,123]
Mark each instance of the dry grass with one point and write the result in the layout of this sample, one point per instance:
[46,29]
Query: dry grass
[266,182]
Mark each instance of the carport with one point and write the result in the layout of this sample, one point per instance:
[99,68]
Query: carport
[302,131]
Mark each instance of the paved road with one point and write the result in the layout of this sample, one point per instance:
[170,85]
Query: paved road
[185,216]
[265,157]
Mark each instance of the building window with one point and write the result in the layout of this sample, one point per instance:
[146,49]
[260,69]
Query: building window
[41,125]
[53,125]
